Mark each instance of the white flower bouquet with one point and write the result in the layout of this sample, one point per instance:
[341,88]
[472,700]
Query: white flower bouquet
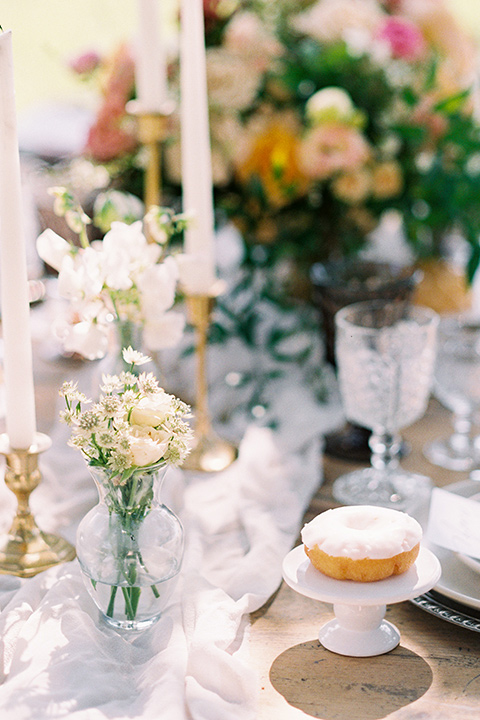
[129,545]
[134,424]
[126,279]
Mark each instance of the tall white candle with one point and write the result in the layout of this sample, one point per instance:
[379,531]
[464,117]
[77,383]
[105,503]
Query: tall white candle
[197,186]
[150,59]
[15,309]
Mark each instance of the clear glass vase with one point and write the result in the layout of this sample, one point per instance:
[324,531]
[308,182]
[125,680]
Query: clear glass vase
[130,549]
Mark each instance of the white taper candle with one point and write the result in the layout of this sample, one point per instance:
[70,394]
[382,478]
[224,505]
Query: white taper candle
[197,186]
[150,59]
[15,309]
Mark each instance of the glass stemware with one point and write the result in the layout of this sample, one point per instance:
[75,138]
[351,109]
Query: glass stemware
[457,387]
[385,356]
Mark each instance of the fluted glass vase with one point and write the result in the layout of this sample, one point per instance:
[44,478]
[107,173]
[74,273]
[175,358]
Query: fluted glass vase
[130,549]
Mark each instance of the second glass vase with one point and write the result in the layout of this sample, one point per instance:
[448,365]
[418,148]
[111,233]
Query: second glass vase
[130,549]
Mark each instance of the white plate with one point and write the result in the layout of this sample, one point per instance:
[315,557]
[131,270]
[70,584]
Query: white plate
[459,580]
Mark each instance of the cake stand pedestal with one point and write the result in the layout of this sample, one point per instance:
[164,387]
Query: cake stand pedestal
[359,628]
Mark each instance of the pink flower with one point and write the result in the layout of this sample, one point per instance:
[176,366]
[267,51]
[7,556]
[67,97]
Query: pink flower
[405,39]
[85,63]
[329,148]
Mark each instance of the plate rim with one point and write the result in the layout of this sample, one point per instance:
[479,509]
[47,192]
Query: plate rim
[460,487]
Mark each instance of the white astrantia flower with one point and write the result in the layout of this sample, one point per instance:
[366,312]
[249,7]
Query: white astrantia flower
[134,357]
[125,278]
[135,423]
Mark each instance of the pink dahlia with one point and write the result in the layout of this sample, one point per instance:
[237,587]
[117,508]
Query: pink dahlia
[404,37]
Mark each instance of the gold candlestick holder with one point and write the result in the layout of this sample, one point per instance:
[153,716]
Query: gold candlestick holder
[25,550]
[152,129]
[210,453]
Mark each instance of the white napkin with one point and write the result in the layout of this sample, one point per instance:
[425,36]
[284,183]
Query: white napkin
[59,660]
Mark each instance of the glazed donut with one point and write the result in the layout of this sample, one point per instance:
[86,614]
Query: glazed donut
[364,543]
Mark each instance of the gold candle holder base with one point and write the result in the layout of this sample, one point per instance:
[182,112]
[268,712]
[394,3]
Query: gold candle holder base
[210,452]
[25,550]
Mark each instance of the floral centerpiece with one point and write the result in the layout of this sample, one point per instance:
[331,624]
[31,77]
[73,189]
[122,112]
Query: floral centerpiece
[126,281]
[129,542]
[327,113]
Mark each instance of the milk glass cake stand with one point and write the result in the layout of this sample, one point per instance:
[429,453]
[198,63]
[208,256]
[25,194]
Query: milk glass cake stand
[359,628]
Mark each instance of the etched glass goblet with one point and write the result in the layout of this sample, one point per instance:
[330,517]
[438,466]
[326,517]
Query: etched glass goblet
[385,356]
[457,386]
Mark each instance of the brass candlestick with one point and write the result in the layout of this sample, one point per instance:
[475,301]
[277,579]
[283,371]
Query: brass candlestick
[152,128]
[210,452]
[25,550]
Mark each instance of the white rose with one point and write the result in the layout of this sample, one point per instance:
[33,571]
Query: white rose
[147,447]
[151,411]
[329,104]
[52,248]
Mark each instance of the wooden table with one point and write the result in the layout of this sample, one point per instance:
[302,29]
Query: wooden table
[434,674]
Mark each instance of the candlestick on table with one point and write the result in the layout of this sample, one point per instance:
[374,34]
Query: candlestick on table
[210,452]
[25,550]
[152,131]
[152,106]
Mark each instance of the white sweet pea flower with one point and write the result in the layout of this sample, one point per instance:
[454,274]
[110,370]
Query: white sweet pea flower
[52,248]
[81,276]
[163,331]
[87,339]
[126,253]
[147,446]
[152,411]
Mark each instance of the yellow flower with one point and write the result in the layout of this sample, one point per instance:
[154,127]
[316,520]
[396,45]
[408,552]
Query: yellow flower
[272,159]
[387,180]
[352,187]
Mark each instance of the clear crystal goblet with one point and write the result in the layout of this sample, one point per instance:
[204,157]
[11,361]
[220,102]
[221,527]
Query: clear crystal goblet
[457,386]
[385,356]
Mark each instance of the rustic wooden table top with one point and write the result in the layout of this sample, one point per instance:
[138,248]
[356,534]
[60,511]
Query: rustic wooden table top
[434,674]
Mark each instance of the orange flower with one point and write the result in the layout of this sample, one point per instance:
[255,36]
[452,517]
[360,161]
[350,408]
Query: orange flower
[272,159]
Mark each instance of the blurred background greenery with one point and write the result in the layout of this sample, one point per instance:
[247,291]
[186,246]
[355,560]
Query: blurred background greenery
[47,34]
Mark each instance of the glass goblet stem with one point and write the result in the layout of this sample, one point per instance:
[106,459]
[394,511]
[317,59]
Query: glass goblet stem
[461,440]
[385,449]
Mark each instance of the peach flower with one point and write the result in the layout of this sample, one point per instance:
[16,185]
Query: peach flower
[330,148]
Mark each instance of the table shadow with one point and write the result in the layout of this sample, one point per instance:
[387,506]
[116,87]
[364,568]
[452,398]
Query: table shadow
[333,687]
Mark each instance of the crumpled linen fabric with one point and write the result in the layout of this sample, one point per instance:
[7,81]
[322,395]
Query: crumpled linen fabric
[59,660]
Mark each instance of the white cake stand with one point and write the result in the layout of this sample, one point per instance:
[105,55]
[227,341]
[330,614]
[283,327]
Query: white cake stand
[359,628]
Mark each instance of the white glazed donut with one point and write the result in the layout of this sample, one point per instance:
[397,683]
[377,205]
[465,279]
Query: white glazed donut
[362,542]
